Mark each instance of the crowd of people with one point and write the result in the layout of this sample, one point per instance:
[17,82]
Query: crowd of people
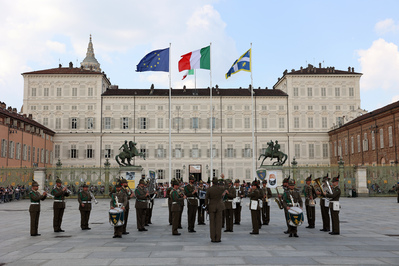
[10,193]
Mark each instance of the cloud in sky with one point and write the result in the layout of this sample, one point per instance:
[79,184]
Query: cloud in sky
[386,26]
[380,66]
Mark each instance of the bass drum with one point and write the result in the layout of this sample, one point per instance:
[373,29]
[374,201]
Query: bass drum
[116,217]
[295,216]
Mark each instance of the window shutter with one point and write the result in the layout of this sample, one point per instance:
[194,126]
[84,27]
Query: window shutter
[103,122]
[242,153]
[173,153]
[94,123]
[182,123]
[112,153]
[121,123]
[86,124]
[69,154]
[199,153]
[216,123]
[182,153]
[235,153]
[199,123]
[112,123]
[164,153]
[93,153]
[225,153]
[70,123]
[191,153]
[208,153]
[191,123]
[130,123]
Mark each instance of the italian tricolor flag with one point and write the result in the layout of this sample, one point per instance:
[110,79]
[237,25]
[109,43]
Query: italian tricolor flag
[197,59]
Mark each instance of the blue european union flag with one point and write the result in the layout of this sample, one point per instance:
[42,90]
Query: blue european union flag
[157,60]
[242,63]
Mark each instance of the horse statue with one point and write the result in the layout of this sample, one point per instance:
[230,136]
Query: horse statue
[273,151]
[128,153]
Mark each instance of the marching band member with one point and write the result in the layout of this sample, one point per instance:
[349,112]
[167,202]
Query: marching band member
[180,191]
[266,194]
[168,191]
[59,192]
[290,198]
[334,205]
[310,195]
[84,199]
[228,205]
[177,203]
[254,194]
[150,206]
[215,206]
[129,195]
[285,187]
[122,199]
[192,203]
[141,205]
[239,194]
[201,194]
[324,209]
[34,209]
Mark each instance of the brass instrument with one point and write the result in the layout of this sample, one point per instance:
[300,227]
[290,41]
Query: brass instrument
[278,200]
[94,198]
[324,188]
[41,191]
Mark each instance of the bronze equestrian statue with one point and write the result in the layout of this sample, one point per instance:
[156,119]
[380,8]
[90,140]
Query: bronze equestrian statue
[128,153]
[273,151]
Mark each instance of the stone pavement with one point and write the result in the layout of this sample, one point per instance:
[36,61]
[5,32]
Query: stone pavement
[369,235]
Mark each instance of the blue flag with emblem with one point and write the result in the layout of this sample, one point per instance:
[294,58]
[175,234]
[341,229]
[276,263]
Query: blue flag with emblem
[157,60]
[242,63]
[261,173]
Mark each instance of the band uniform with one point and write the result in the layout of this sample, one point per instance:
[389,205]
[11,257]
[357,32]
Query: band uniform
[215,207]
[239,194]
[192,203]
[141,205]
[84,199]
[255,195]
[228,205]
[334,210]
[201,211]
[310,196]
[59,192]
[122,199]
[325,210]
[34,208]
[291,198]
[266,195]
[177,205]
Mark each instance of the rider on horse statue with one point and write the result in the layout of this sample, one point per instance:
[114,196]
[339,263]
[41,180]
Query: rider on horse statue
[273,151]
[128,152]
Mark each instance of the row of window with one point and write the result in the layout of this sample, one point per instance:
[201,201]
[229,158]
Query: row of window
[59,93]
[363,145]
[20,151]
[194,152]
[310,92]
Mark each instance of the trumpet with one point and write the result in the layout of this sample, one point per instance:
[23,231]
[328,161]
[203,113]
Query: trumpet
[67,190]
[47,194]
[94,198]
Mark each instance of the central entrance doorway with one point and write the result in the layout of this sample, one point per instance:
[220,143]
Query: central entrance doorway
[196,171]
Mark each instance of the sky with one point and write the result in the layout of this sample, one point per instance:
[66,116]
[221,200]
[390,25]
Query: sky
[286,34]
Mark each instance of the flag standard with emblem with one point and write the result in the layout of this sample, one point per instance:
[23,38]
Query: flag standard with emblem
[242,63]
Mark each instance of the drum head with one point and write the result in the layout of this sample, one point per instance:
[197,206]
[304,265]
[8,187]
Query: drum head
[295,210]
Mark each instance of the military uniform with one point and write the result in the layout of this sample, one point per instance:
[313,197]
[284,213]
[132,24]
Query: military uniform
[324,211]
[290,198]
[122,198]
[310,195]
[255,195]
[128,193]
[215,206]
[228,206]
[168,191]
[34,209]
[177,203]
[141,205]
[201,210]
[285,188]
[397,191]
[266,195]
[84,199]
[58,206]
[239,194]
[334,198]
[192,204]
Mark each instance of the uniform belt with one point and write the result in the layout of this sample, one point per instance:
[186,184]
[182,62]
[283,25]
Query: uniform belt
[175,203]
[229,200]
[56,200]
[140,200]
[190,198]
[86,201]
[35,203]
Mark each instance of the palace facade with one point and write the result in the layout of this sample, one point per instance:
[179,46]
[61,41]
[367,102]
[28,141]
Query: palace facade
[93,118]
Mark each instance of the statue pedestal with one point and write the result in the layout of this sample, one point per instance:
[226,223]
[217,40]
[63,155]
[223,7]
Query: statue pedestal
[132,174]
[276,170]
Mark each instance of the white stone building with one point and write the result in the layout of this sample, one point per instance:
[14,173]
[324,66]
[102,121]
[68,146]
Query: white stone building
[92,119]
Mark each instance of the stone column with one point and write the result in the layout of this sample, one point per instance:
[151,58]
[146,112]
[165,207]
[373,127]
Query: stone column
[39,175]
[361,182]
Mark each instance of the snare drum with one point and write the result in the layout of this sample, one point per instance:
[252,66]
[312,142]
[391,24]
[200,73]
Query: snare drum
[295,216]
[116,217]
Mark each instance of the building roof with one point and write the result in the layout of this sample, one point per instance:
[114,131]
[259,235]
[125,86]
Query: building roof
[23,118]
[90,61]
[64,71]
[194,92]
[312,70]
[369,115]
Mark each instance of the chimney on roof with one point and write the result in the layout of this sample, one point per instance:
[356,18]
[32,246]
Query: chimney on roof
[59,65]
[333,69]
[184,88]
[301,69]
[349,69]
[70,65]
[9,108]
[3,105]
[14,110]
[353,69]
[266,88]
[319,65]
[30,116]
[292,70]
[285,72]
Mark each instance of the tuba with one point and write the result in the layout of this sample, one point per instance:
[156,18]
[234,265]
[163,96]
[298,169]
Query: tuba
[324,188]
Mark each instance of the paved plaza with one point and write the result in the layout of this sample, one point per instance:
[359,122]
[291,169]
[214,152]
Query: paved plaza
[369,235]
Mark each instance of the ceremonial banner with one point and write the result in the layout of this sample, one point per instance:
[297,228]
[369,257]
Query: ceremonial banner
[271,179]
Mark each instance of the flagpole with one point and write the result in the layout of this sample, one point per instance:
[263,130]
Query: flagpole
[253,120]
[170,118]
[211,119]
